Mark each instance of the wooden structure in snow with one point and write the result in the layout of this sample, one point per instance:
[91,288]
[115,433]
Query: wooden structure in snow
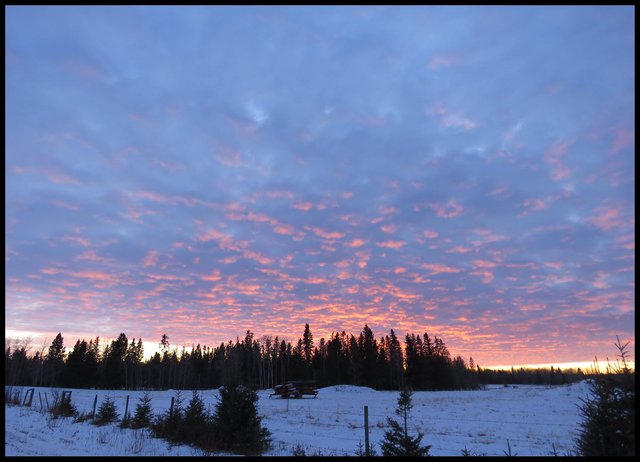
[296,389]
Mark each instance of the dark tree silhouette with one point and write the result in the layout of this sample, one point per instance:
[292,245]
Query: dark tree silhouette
[608,426]
[55,360]
[397,441]
[237,425]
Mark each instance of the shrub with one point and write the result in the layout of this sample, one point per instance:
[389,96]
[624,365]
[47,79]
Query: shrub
[11,396]
[196,425]
[236,424]
[608,425]
[142,416]
[167,425]
[107,412]
[61,406]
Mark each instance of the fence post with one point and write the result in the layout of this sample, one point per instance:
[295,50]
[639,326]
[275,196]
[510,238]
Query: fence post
[95,402]
[171,408]
[126,409]
[41,405]
[46,400]
[29,395]
[366,430]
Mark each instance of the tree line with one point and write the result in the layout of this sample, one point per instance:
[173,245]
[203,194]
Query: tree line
[424,363]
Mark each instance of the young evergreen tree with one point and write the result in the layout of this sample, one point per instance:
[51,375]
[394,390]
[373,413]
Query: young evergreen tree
[142,416]
[608,428]
[237,425]
[107,412]
[397,441]
[195,422]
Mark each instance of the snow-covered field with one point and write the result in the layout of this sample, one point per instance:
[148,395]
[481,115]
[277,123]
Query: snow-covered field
[534,419]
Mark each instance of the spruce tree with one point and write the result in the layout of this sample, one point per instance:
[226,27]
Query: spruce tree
[608,427]
[195,422]
[237,425]
[397,441]
[142,416]
[107,412]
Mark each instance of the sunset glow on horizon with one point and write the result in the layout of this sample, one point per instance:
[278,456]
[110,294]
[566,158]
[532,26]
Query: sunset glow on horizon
[203,171]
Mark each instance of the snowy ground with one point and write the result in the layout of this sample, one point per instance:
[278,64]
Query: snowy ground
[533,419]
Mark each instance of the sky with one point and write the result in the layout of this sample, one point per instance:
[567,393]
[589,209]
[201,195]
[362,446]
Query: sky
[204,171]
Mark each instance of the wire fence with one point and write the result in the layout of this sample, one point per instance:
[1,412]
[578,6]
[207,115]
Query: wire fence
[308,421]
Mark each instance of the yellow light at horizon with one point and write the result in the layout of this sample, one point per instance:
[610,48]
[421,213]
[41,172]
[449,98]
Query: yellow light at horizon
[585,366]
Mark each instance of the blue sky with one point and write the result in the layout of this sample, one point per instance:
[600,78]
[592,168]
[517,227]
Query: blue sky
[201,171]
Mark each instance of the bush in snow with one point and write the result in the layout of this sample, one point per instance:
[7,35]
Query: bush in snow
[237,426]
[167,425]
[196,427]
[62,406]
[12,396]
[608,428]
[107,412]
[142,415]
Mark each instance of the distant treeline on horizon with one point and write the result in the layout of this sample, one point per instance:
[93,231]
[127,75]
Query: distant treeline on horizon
[423,364]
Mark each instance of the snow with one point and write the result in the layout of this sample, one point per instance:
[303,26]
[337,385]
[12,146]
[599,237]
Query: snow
[534,420]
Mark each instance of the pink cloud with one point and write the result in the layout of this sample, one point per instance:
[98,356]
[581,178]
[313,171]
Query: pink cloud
[533,205]
[154,197]
[61,178]
[355,243]
[258,257]
[606,219]
[533,307]
[388,229]
[228,260]
[89,255]
[623,139]
[304,206]
[447,119]
[449,210]
[436,268]
[498,191]
[284,229]
[81,241]
[326,234]
[101,279]
[442,61]
[213,234]
[65,205]
[600,282]
[484,264]
[151,259]
[553,156]
[228,156]
[391,244]
[487,276]
[430,234]
[459,249]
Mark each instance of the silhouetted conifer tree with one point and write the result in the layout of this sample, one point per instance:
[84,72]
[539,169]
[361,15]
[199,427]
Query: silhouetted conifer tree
[142,416]
[608,428]
[397,441]
[237,426]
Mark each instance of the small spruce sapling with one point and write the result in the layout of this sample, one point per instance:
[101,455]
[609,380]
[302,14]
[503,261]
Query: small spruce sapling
[397,441]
